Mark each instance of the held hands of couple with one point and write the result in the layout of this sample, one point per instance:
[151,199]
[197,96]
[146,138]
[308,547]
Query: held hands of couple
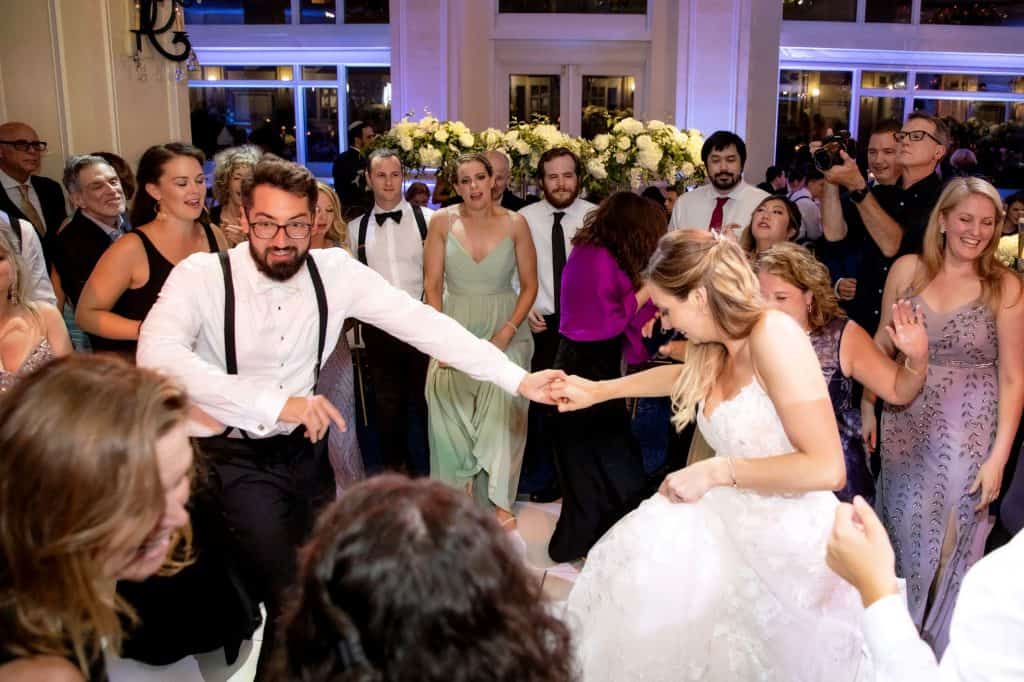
[539,386]
[314,412]
[859,551]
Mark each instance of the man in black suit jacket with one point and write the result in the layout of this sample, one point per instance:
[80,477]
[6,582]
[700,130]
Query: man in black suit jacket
[96,191]
[23,194]
[349,178]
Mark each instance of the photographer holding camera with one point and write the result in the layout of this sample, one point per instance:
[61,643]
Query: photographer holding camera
[886,219]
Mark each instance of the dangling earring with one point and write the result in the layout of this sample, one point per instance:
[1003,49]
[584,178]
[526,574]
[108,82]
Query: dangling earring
[158,209]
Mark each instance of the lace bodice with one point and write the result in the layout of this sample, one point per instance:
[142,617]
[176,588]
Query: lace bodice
[745,425]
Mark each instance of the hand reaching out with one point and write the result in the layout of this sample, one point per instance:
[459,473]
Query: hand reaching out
[574,393]
[538,386]
[860,552]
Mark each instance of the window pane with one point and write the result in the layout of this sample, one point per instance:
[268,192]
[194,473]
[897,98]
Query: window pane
[224,117]
[369,97]
[890,11]
[534,96]
[993,130]
[366,12]
[988,13]
[874,110]
[829,10]
[246,73]
[887,80]
[962,82]
[573,6]
[810,103]
[317,12]
[319,73]
[321,129]
[605,97]
[239,12]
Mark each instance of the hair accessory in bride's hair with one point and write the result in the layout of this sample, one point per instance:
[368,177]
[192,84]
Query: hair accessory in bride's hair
[717,234]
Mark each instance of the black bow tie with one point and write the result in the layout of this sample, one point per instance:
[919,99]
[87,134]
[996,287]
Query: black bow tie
[394,215]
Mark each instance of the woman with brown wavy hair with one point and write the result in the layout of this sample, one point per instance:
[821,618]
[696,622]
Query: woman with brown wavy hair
[409,580]
[722,575]
[95,465]
[796,283]
[604,306]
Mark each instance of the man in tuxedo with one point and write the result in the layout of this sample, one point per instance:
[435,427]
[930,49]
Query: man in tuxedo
[23,194]
[388,238]
[96,193]
[727,201]
[349,168]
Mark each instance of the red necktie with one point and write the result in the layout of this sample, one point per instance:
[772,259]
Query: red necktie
[716,215]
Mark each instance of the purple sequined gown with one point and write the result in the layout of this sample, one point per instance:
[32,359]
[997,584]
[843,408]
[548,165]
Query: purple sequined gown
[932,450]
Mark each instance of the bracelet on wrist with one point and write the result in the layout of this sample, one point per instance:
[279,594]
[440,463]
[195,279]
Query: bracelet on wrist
[906,366]
[732,471]
[512,326]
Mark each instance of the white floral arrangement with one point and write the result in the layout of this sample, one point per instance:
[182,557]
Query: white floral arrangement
[428,143]
[635,153]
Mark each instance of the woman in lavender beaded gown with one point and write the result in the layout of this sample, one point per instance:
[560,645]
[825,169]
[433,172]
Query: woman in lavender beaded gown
[943,455]
[31,332]
[795,282]
[336,378]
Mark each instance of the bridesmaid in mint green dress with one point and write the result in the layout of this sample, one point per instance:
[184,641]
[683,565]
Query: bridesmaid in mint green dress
[473,252]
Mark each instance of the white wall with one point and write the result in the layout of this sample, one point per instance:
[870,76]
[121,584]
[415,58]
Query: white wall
[66,69]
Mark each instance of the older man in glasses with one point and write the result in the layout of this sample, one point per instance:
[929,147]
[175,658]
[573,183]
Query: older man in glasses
[23,194]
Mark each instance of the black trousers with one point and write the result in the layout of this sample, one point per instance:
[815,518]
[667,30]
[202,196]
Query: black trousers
[270,491]
[398,373]
[538,471]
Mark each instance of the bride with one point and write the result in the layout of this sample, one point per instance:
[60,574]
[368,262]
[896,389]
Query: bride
[722,575]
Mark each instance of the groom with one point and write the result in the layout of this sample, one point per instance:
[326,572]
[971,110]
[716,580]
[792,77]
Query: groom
[246,333]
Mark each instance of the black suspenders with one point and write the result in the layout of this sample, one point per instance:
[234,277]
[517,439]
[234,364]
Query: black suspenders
[421,224]
[230,351]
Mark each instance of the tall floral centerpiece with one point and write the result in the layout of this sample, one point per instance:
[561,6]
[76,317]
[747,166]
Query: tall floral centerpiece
[635,153]
[428,144]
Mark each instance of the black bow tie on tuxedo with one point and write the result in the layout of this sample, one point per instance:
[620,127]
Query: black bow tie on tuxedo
[394,215]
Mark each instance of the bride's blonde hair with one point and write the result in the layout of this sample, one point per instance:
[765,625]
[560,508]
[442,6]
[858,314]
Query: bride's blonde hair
[684,261]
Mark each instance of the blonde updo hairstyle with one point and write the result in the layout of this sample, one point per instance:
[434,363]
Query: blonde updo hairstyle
[687,260]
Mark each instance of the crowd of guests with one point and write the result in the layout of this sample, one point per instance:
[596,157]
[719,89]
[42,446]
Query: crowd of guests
[304,336]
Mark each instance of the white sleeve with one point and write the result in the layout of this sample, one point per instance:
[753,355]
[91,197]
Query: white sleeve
[897,652]
[32,253]
[375,301]
[167,341]
[675,222]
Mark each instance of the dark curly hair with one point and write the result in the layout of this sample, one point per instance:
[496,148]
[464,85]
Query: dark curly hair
[408,580]
[629,227]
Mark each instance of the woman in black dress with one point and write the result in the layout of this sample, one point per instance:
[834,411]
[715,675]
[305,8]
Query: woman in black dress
[166,216]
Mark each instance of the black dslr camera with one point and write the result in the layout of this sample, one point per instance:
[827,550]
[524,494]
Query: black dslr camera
[827,155]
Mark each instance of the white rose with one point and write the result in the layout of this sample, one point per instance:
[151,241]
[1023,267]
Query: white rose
[466,139]
[655,125]
[511,136]
[429,123]
[492,137]
[418,133]
[688,169]
[620,157]
[644,142]
[694,147]
[680,138]
[623,143]
[596,169]
[649,159]
[636,177]
[601,142]
[405,142]
[459,128]
[429,156]
[522,147]
[628,125]
[441,136]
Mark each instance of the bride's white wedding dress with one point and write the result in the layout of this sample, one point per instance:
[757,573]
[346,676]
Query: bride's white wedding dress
[731,588]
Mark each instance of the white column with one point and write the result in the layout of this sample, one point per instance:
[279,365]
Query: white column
[419,58]
[727,72]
